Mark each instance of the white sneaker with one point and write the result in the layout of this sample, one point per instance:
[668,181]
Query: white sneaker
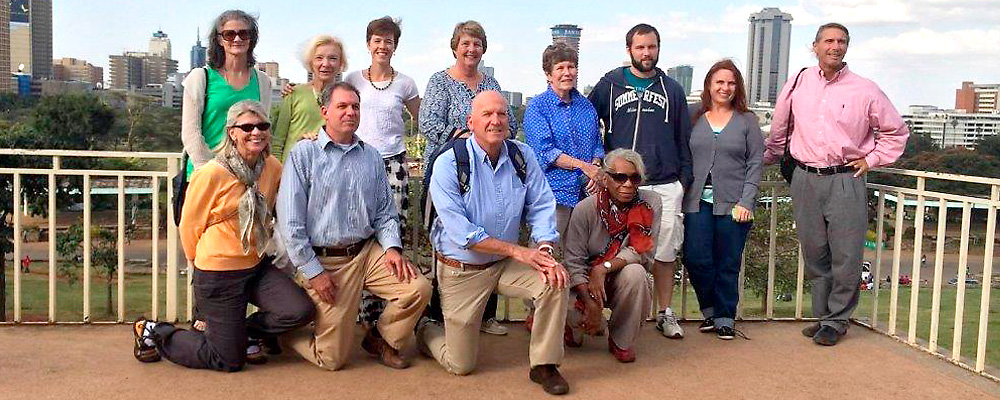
[493,327]
[667,324]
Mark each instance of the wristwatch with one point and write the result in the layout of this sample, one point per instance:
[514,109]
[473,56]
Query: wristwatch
[607,265]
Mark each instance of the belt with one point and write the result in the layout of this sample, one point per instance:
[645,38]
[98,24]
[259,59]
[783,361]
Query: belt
[461,265]
[836,169]
[346,251]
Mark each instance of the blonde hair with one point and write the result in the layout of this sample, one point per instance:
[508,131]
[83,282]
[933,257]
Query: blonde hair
[309,51]
[242,107]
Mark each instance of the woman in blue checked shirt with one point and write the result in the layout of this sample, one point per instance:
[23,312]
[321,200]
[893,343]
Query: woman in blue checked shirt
[560,125]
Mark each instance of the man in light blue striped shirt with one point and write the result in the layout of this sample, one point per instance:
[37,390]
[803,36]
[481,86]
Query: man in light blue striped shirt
[341,229]
[475,236]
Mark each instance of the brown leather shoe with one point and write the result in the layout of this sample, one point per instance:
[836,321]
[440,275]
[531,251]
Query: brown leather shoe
[549,377]
[378,347]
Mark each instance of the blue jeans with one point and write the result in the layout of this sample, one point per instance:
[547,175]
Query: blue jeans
[713,245]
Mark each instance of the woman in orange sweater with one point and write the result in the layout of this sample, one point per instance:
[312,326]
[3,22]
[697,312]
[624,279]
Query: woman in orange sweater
[224,228]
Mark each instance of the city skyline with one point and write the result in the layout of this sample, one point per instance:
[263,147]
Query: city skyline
[893,43]
[767,55]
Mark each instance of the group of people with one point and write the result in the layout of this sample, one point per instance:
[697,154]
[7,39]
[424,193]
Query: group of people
[303,216]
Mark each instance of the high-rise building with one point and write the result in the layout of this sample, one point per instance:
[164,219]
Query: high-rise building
[159,45]
[198,53]
[951,128]
[6,83]
[483,69]
[683,74]
[270,68]
[978,98]
[514,99]
[31,37]
[767,54]
[135,70]
[71,69]
[567,33]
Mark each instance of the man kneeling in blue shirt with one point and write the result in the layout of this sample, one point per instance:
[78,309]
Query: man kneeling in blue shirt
[475,238]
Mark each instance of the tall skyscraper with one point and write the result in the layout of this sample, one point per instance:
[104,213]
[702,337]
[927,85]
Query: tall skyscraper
[767,54]
[31,37]
[567,33]
[683,74]
[6,84]
[159,45]
[198,53]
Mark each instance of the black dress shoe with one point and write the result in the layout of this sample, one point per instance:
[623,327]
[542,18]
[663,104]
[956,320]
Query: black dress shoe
[810,330]
[548,376]
[827,336]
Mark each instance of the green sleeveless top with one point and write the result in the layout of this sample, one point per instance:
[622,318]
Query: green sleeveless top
[219,96]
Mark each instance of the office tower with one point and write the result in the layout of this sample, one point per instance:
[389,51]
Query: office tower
[567,33]
[978,98]
[6,83]
[135,70]
[767,54]
[159,45]
[72,69]
[198,53]
[31,37]
[682,74]
[270,68]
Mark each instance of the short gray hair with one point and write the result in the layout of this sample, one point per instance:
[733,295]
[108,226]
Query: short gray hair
[324,97]
[628,155]
[832,25]
[242,107]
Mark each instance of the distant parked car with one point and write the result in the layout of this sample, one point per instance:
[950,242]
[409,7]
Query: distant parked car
[968,281]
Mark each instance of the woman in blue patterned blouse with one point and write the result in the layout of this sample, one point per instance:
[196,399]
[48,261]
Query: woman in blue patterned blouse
[560,125]
[445,109]
[448,98]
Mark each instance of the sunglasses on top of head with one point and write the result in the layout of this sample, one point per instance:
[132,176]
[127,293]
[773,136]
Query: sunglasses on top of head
[621,178]
[230,35]
[263,126]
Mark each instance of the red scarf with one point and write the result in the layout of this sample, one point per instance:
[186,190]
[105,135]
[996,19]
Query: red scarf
[634,221]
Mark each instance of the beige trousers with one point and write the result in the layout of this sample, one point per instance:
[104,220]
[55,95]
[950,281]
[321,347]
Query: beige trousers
[629,300]
[464,293]
[329,345]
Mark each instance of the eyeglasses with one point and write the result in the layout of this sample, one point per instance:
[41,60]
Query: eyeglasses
[263,126]
[620,178]
[230,35]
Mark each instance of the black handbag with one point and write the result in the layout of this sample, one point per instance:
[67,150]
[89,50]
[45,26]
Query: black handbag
[180,189]
[788,163]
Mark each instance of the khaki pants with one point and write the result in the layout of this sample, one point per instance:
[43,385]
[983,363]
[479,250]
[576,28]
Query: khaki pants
[330,345]
[464,293]
[629,300]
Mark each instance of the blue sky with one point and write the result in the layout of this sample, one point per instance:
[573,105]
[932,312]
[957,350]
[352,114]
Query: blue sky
[918,51]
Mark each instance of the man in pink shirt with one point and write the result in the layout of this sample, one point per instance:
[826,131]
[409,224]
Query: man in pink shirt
[843,126]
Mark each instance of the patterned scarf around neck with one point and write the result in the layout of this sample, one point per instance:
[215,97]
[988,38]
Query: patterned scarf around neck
[255,216]
[633,221]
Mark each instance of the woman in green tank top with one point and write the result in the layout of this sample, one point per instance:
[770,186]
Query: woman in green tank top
[229,77]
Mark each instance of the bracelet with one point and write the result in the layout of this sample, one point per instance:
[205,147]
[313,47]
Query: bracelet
[547,247]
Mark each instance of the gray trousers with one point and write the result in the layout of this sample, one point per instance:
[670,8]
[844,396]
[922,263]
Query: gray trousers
[831,217]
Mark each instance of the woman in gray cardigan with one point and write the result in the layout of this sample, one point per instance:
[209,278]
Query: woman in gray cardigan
[726,148]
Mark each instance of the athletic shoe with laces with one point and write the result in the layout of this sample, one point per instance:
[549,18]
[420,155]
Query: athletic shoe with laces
[493,327]
[141,349]
[255,353]
[708,325]
[725,332]
[668,326]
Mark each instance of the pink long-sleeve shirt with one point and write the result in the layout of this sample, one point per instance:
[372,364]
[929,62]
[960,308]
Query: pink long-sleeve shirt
[836,121]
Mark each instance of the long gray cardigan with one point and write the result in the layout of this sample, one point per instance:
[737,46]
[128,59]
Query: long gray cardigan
[734,160]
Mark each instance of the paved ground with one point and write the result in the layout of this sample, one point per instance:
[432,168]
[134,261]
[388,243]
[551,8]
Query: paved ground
[69,362]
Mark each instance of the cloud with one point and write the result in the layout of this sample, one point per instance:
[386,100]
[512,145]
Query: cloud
[925,42]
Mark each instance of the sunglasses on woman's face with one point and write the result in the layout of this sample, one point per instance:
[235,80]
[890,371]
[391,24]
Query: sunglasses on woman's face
[230,35]
[263,126]
[620,178]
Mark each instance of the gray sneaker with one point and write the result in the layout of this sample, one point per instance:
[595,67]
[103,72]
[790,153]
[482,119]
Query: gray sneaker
[492,327]
[668,326]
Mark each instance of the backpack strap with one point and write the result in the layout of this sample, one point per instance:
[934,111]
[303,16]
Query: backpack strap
[517,159]
[462,165]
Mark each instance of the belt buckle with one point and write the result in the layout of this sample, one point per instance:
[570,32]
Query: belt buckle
[820,171]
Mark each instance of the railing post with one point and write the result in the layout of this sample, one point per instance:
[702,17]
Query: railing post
[121,248]
[53,260]
[171,243]
[897,248]
[155,256]
[86,248]
[800,280]
[772,253]
[938,265]
[918,242]
[17,247]
[984,305]
[963,268]
[877,268]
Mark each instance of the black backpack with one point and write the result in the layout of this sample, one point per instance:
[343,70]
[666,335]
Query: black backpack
[464,171]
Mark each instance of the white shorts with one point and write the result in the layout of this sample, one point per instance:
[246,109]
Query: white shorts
[671,236]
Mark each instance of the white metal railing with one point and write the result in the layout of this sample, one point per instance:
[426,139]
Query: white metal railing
[772,193]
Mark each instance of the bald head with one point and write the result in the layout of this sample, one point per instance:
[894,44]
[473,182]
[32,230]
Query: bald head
[489,119]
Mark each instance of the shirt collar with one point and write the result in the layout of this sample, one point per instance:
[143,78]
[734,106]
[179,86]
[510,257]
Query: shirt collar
[323,139]
[554,98]
[840,74]
[477,150]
